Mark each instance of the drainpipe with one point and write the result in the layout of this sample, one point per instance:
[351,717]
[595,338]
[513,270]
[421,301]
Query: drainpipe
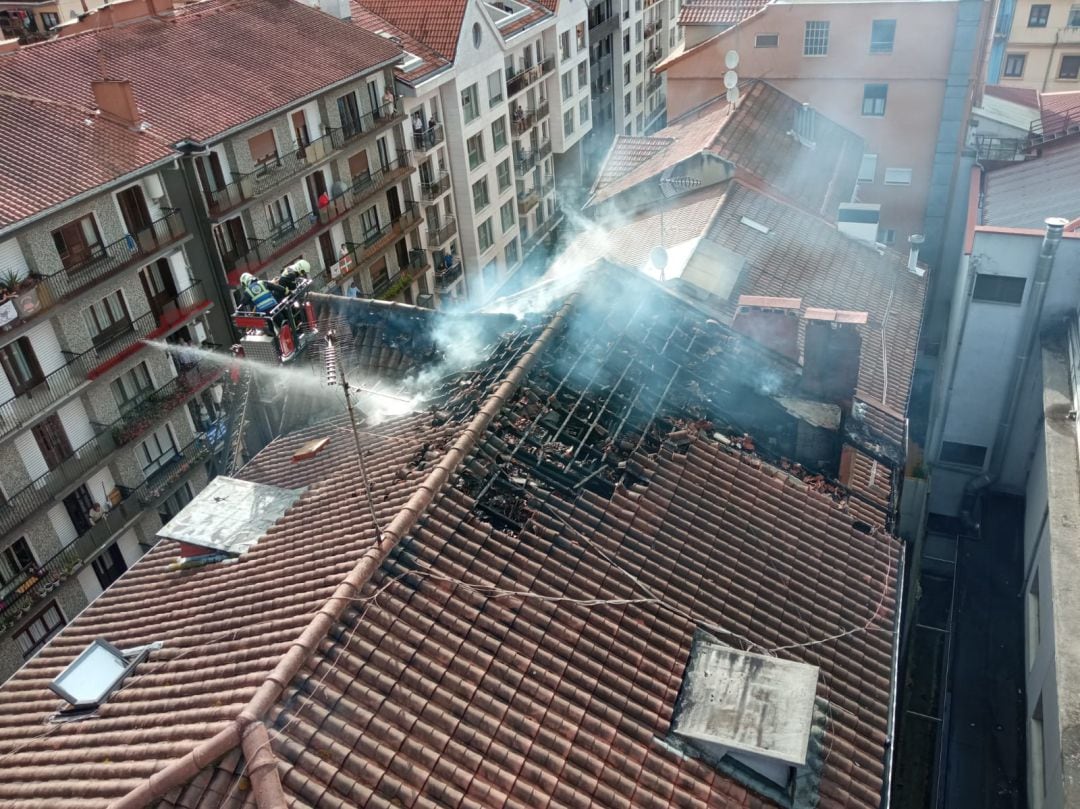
[1055,226]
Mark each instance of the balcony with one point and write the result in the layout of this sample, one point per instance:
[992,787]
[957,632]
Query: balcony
[258,252]
[367,124]
[523,120]
[390,287]
[150,326]
[447,276]
[37,294]
[163,480]
[524,161]
[433,190]
[268,175]
[519,81]
[654,84]
[440,234]
[526,201]
[533,239]
[428,138]
[143,413]
[545,149]
[360,254]
[653,57]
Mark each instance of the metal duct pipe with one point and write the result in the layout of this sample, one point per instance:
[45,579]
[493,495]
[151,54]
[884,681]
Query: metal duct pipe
[1044,266]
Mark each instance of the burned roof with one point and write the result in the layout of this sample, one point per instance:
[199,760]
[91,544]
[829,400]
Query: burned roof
[504,614]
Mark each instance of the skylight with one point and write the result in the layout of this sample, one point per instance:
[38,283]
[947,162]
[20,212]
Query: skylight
[95,674]
[506,11]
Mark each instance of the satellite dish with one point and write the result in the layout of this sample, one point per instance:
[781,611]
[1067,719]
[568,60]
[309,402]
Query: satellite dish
[658,257]
[731,60]
[731,79]
[733,95]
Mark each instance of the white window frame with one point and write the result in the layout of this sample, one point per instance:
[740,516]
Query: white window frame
[867,169]
[895,175]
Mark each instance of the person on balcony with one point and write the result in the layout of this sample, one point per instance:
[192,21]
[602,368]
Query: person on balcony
[418,129]
[255,296]
[95,514]
[431,124]
[388,100]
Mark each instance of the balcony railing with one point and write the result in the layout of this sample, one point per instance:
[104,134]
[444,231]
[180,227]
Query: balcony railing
[653,57]
[545,149]
[543,229]
[523,120]
[446,277]
[430,191]
[527,201]
[653,84]
[268,175]
[524,161]
[519,81]
[374,241]
[144,412]
[163,479]
[37,294]
[257,252]
[367,124]
[149,326]
[428,138]
[391,286]
[438,235]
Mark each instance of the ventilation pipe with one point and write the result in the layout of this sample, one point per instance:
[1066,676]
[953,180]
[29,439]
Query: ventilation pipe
[915,241]
[1044,266]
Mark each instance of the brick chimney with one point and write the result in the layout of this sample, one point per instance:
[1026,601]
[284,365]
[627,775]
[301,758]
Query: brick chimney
[116,100]
[831,351]
[773,322]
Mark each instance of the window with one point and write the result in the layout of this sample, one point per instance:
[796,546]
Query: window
[349,112]
[626,73]
[873,99]
[637,64]
[174,502]
[511,253]
[16,559]
[279,213]
[626,105]
[470,103]
[580,34]
[369,221]
[568,122]
[816,38]
[37,633]
[263,148]
[564,46]
[568,84]
[477,35]
[490,273]
[999,288]
[637,31]
[506,213]
[1038,16]
[49,20]
[480,198]
[77,242]
[156,451]
[502,175]
[639,93]
[21,365]
[897,176]
[1070,67]
[107,318]
[475,148]
[132,386]
[498,134]
[882,33]
[484,235]
[886,236]
[766,40]
[868,168]
[583,75]
[1074,17]
[495,88]
[583,110]
[109,566]
[962,454]
[1014,65]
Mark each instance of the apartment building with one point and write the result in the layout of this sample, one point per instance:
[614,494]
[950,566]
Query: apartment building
[496,97]
[879,68]
[131,202]
[1036,45]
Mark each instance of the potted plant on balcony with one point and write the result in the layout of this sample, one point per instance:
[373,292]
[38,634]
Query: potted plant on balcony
[22,291]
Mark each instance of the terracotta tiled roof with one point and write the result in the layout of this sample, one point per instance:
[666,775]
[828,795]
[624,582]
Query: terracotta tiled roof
[756,137]
[279,50]
[1059,110]
[1023,195]
[431,60]
[1024,96]
[436,24]
[523,640]
[718,12]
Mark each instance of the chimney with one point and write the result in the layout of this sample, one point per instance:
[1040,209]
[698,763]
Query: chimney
[831,351]
[913,252]
[772,322]
[116,101]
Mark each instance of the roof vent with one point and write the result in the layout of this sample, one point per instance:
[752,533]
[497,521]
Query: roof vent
[805,126]
[748,712]
[96,673]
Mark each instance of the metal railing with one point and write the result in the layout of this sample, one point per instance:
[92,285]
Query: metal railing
[430,191]
[365,250]
[1055,124]
[522,121]
[545,149]
[269,174]
[653,84]
[367,123]
[542,230]
[258,251]
[40,293]
[653,57]
[446,277]
[143,412]
[438,235]
[519,81]
[160,482]
[527,201]
[428,138]
[524,161]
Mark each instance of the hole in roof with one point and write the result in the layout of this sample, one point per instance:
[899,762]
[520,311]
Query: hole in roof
[477,35]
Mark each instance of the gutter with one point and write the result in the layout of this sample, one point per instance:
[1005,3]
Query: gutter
[890,738]
[1044,267]
[248,730]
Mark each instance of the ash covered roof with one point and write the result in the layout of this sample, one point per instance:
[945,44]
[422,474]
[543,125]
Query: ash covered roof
[504,617]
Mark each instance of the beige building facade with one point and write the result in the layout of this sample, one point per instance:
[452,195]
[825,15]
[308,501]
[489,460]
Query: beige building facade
[1042,50]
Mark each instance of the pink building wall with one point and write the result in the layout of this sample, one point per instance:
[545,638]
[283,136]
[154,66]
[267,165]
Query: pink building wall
[915,72]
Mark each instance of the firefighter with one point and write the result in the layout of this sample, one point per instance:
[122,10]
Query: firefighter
[255,295]
[292,275]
